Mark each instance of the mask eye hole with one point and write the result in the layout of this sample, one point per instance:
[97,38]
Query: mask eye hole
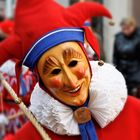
[73,63]
[56,71]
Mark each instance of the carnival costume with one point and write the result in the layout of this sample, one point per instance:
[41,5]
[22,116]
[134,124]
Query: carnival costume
[74,99]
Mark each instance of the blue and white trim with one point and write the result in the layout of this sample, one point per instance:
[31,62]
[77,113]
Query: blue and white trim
[48,41]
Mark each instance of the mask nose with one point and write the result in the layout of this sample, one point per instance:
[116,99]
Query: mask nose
[70,80]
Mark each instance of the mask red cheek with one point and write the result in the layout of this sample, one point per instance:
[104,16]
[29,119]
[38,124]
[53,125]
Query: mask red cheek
[54,83]
[80,72]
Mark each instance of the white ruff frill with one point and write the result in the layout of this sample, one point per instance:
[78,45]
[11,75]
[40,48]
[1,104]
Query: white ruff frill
[107,92]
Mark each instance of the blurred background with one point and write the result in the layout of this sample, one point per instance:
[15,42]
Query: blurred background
[119,8]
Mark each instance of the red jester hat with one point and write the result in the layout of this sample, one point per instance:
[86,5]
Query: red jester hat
[41,25]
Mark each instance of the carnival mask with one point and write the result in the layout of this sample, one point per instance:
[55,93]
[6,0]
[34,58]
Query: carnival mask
[65,72]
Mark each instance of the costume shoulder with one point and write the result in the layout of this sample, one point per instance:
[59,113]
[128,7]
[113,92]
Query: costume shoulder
[131,111]
[131,114]
[134,104]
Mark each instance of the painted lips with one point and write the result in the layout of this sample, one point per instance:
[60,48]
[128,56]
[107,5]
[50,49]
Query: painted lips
[75,92]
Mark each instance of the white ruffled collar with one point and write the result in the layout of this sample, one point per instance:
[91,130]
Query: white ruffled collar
[107,92]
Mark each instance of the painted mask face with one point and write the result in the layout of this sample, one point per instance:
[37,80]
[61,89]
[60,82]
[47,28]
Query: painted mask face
[65,72]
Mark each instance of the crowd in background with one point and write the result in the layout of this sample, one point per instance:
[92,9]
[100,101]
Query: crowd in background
[126,56]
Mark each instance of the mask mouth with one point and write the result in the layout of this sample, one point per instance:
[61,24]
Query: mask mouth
[74,92]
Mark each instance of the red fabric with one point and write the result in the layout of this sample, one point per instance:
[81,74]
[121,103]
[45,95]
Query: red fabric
[9,137]
[7,27]
[31,23]
[91,39]
[124,127]
[10,48]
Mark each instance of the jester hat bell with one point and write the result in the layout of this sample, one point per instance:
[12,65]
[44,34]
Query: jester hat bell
[41,25]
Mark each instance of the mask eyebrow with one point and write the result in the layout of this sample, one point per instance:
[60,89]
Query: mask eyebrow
[49,64]
[71,53]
